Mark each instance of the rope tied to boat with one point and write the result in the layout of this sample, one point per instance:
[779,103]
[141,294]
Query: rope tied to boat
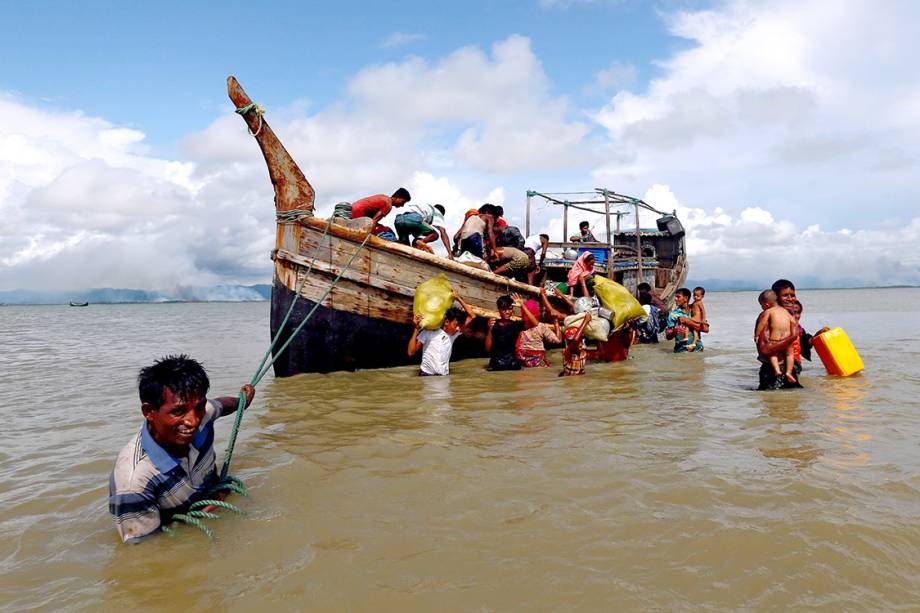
[226,482]
[292,215]
[253,107]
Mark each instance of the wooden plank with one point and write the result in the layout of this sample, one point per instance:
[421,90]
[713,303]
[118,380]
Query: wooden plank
[350,289]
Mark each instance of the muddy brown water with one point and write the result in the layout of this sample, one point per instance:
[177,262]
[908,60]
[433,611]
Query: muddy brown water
[663,482]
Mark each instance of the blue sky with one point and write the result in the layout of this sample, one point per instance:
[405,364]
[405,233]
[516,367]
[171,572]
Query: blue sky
[160,67]
[786,133]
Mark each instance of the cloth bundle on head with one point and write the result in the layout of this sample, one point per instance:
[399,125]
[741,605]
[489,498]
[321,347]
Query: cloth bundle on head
[580,269]
[533,306]
[470,213]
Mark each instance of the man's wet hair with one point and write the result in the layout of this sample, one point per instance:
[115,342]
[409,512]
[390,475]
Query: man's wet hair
[644,287]
[402,193]
[684,292]
[584,224]
[504,302]
[768,295]
[546,236]
[645,298]
[454,314]
[781,284]
[487,209]
[702,290]
[440,208]
[183,376]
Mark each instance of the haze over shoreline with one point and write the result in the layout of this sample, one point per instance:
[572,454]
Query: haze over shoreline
[262,293]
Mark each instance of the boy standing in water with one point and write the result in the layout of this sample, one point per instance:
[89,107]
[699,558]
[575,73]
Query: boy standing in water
[437,345]
[779,324]
[575,354]
[502,335]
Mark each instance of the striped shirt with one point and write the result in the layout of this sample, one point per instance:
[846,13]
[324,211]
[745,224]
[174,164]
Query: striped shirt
[148,485]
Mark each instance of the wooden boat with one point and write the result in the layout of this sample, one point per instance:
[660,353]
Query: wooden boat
[78,304]
[365,320]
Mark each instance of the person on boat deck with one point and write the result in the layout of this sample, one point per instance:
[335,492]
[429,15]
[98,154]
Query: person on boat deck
[476,232]
[502,335]
[423,223]
[169,463]
[585,235]
[437,345]
[509,236]
[680,323]
[581,276]
[377,207]
[510,262]
[500,216]
[534,244]
[531,352]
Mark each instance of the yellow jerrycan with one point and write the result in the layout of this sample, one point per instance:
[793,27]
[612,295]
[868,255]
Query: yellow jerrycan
[837,353]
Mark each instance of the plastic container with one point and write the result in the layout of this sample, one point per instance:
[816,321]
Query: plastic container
[837,353]
[600,253]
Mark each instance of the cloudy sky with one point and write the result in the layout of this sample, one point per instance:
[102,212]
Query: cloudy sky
[786,134]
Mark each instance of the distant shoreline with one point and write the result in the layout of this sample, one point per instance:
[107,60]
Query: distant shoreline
[65,303]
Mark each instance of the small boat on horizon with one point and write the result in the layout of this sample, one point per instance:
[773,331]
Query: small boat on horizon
[78,304]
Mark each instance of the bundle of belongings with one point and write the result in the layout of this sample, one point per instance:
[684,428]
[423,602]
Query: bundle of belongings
[611,308]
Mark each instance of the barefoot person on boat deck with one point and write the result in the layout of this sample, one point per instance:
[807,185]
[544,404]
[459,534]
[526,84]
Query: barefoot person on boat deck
[379,206]
[422,224]
[169,463]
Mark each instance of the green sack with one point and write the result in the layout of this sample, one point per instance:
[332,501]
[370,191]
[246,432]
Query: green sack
[617,298]
[432,299]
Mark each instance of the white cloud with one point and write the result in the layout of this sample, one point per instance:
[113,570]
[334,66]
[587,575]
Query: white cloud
[772,106]
[793,149]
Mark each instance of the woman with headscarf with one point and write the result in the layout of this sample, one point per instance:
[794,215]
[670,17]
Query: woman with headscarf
[531,351]
[582,274]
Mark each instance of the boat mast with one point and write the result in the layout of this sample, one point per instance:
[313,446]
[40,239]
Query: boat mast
[292,190]
[639,278]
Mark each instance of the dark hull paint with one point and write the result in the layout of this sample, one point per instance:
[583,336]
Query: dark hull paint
[337,340]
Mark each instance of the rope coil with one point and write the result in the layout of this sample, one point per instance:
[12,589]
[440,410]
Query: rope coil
[253,107]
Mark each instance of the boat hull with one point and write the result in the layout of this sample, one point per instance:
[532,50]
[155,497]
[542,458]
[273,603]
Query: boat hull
[334,340]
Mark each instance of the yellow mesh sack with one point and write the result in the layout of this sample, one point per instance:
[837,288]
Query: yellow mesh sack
[432,299]
[617,298]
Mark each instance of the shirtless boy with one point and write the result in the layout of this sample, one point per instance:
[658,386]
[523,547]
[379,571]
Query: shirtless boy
[779,324]
[698,314]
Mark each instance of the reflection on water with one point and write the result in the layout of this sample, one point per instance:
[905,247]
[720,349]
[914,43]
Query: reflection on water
[663,482]
[788,436]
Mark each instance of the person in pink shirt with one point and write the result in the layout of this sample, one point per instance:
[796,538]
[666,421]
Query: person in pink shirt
[377,207]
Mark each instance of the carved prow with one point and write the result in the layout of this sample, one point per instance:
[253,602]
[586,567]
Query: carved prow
[292,190]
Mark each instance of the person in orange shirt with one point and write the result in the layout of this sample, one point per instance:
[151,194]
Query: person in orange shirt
[377,207]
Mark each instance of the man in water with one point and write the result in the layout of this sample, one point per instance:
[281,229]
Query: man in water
[169,463]
[680,323]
